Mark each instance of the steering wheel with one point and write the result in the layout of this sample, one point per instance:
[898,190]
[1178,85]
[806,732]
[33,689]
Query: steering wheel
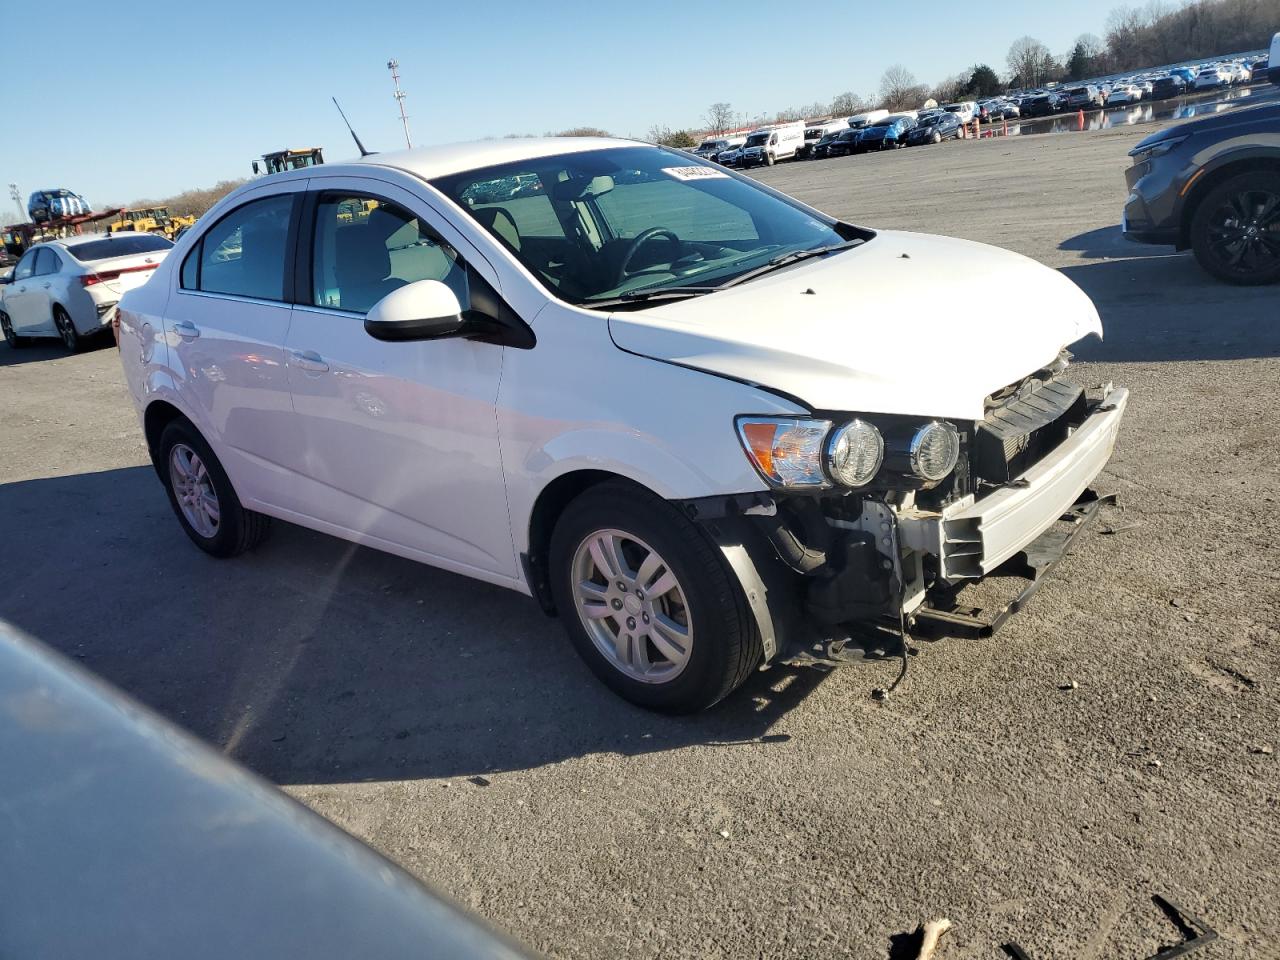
[641,238]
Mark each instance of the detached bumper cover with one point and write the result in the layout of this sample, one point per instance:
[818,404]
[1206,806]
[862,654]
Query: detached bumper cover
[971,538]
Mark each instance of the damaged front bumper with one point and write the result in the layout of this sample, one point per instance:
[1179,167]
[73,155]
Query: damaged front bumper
[971,538]
[813,571]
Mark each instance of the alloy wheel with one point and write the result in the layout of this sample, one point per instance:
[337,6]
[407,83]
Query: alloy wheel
[193,488]
[1244,232]
[632,606]
[66,329]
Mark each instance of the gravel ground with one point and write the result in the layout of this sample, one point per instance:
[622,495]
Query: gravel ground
[449,724]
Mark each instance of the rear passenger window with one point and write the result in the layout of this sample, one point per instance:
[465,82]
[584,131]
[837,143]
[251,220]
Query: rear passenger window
[365,248]
[244,253]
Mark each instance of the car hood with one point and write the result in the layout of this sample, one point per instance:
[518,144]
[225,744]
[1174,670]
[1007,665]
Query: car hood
[846,333]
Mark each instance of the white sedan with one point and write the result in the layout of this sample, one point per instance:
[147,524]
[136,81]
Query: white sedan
[1124,95]
[67,288]
[657,396]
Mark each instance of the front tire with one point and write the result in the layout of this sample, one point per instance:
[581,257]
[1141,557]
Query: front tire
[202,497]
[649,602]
[1235,232]
[67,332]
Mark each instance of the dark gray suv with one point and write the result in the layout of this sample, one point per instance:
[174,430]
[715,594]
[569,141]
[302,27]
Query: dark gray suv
[1212,185]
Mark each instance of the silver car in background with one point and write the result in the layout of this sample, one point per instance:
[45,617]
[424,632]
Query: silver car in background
[68,288]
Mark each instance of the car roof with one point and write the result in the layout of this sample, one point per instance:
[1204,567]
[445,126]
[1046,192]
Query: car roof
[442,161]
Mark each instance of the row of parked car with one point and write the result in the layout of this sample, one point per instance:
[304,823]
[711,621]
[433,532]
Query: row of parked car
[879,129]
[817,140]
[1125,91]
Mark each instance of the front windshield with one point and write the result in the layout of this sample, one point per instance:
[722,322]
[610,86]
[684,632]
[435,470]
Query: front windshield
[757,139]
[616,221]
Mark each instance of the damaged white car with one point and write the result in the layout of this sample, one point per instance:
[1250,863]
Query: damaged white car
[692,416]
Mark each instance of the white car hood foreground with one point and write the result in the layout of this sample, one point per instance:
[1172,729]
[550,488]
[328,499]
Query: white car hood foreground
[908,323]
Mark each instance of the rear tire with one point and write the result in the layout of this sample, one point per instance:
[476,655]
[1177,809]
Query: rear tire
[700,641]
[195,481]
[6,326]
[1235,232]
[67,332]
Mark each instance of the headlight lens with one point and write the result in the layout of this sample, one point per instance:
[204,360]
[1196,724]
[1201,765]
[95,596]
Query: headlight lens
[1159,148]
[854,454]
[934,450]
[786,450]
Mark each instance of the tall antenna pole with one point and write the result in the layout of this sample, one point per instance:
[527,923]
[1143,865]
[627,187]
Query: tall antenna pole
[394,67]
[17,198]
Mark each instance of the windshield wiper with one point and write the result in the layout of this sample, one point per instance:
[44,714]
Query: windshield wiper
[657,293]
[786,259]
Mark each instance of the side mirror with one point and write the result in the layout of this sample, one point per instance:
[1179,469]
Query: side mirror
[424,310]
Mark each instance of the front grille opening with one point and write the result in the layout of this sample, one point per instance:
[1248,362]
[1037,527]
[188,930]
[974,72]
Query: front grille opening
[1022,426]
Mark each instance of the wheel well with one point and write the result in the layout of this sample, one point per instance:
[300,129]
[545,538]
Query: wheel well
[547,509]
[159,415]
[1210,180]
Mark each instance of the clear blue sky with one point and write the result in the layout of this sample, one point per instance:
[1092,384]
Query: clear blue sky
[146,99]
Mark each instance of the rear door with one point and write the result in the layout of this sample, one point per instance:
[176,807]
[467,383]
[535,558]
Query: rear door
[400,439]
[226,322]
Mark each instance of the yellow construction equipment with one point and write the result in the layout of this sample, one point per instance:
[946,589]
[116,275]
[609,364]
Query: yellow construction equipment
[282,160]
[149,220]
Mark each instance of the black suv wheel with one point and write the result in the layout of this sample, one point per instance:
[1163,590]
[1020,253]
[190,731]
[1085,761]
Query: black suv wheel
[1235,231]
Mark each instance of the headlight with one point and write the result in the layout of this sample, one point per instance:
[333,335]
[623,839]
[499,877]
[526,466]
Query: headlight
[934,450]
[1160,148]
[854,454]
[786,450]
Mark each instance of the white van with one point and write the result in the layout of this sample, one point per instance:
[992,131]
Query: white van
[745,470]
[768,145]
[814,132]
[860,120]
[966,110]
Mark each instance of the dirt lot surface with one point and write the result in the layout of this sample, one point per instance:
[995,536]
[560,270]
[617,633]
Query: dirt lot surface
[451,726]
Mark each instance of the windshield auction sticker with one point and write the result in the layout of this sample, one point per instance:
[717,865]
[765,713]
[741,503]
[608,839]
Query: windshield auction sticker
[694,173]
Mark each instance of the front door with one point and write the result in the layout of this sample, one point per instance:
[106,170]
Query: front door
[26,299]
[400,439]
[226,323]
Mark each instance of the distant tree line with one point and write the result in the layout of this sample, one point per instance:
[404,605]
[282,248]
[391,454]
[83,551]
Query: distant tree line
[193,203]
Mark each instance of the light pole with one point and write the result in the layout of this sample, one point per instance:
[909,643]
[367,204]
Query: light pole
[17,198]
[394,67]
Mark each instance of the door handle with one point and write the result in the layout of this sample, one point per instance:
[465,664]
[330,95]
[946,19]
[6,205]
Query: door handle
[308,360]
[186,329]
[45,285]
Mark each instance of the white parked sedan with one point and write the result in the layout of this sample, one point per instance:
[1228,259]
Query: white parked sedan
[684,411]
[66,288]
[1124,95]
